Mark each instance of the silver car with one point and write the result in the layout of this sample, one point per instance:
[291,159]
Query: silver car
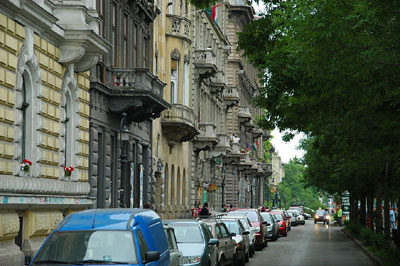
[241,236]
[227,245]
[175,256]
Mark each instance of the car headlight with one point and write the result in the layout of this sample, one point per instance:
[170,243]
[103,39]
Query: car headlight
[190,259]
[328,217]
[316,216]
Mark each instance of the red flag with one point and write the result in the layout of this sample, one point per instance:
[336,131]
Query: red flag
[214,11]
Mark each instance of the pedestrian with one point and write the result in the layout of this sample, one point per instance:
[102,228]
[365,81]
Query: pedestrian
[392,216]
[204,211]
[326,214]
[225,208]
[339,216]
[147,205]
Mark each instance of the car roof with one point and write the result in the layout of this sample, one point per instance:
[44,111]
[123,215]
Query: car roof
[107,219]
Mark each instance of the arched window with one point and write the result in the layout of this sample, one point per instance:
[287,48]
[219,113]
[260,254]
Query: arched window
[179,187]
[174,86]
[172,191]
[26,122]
[166,185]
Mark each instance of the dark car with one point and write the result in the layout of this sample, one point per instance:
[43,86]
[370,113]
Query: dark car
[195,241]
[272,226]
[257,222]
[319,216]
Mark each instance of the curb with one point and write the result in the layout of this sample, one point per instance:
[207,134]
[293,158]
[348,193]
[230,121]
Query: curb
[374,258]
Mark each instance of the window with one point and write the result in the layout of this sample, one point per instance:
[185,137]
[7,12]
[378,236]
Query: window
[68,130]
[186,84]
[113,168]
[114,34]
[225,232]
[125,56]
[100,11]
[142,244]
[134,45]
[174,82]
[146,50]
[219,232]
[171,6]
[26,128]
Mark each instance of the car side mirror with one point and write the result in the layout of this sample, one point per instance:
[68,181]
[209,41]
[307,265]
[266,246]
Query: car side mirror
[213,242]
[265,222]
[151,256]
[268,224]
[245,233]
[28,259]
[233,234]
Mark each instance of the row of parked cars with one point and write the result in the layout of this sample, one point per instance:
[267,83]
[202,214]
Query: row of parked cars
[139,237]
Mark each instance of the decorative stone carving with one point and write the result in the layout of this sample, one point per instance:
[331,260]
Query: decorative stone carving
[176,26]
[9,225]
[175,54]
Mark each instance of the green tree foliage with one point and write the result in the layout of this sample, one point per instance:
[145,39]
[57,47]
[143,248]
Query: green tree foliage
[331,71]
[293,187]
[203,3]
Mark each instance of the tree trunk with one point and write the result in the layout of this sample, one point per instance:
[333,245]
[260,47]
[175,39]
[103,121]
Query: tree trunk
[354,208]
[378,212]
[363,211]
[370,205]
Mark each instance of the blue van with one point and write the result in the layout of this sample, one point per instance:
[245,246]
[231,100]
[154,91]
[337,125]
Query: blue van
[106,237]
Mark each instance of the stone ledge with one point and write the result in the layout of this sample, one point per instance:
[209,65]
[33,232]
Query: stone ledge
[374,258]
[30,185]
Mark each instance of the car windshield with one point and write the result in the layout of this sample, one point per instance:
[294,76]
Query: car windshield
[252,215]
[76,247]
[233,226]
[320,212]
[245,224]
[267,217]
[187,233]
[278,217]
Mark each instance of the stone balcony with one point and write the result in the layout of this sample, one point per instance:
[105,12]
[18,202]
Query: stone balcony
[207,139]
[222,148]
[178,27]
[253,169]
[257,132]
[137,92]
[204,63]
[245,163]
[218,82]
[231,96]
[267,167]
[244,114]
[234,156]
[179,123]
[266,134]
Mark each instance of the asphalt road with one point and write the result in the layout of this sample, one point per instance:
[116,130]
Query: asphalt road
[312,244]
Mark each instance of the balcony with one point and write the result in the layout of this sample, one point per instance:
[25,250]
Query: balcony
[207,138]
[267,167]
[179,123]
[231,96]
[257,132]
[266,134]
[234,156]
[253,169]
[204,63]
[245,163]
[244,114]
[250,126]
[222,148]
[218,83]
[178,27]
[137,92]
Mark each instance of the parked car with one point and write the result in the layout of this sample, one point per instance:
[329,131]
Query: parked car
[299,217]
[293,215]
[247,226]
[106,236]
[283,230]
[257,222]
[175,255]
[307,216]
[195,241]
[241,237]
[227,246]
[272,226]
[287,218]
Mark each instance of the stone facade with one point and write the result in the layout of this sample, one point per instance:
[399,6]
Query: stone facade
[123,83]
[44,118]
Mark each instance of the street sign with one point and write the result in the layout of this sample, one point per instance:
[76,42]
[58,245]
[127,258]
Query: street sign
[346,202]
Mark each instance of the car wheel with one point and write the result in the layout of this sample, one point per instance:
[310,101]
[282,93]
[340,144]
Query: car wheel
[243,259]
[247,257]
[315,221]
[221,262]
[266,243]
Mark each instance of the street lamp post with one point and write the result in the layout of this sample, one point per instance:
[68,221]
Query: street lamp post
[124,137]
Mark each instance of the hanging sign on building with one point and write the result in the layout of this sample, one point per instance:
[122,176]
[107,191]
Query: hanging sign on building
[346,202]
